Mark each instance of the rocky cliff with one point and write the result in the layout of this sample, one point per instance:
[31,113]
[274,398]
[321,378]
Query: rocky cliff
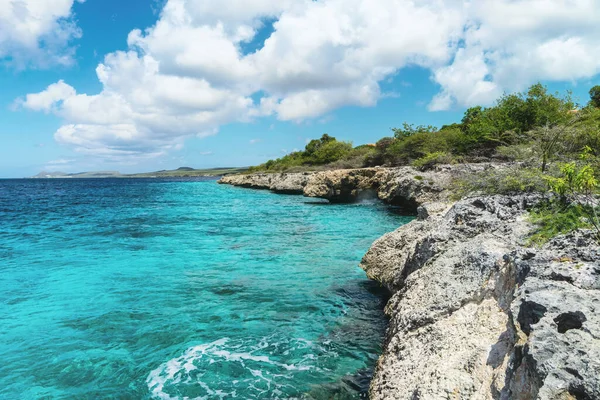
[288,183]
[403,186]
[475,312]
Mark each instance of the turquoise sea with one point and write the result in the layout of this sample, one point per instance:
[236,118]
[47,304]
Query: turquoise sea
[184,289]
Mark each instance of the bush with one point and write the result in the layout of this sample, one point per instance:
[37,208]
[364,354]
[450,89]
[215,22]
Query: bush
[517,152]
[404,151]
[577,186]
[432,159]
[501,181]
[329,152]
[595,96]
[552,220]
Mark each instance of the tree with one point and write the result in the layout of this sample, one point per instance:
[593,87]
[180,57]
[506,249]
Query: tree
[330,151]
[408,130]
[315,144]
[595,96]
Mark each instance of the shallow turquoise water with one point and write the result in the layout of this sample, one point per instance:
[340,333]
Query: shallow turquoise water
[139,289]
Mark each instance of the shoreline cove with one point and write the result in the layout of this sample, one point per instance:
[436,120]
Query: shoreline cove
[183,288]
[475,312]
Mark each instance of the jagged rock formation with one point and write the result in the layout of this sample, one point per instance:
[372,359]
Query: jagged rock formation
[476,314]
[404,186]
[399,186]
[287,183]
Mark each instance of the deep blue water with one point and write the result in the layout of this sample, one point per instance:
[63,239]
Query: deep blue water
[140,289]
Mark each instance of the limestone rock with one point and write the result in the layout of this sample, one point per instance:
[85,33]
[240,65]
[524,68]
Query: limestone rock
[476,314]
[289,183]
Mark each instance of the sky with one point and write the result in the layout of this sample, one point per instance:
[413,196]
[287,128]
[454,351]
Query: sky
[144,85]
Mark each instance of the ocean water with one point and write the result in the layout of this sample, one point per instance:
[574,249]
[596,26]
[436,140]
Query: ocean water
[184,289]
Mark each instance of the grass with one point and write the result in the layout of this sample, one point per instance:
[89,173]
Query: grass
[552,219]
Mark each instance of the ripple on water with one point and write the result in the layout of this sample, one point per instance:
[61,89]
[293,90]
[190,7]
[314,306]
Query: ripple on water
[184,289]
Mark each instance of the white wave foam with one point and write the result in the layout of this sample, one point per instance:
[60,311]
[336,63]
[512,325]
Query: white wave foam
[177,370]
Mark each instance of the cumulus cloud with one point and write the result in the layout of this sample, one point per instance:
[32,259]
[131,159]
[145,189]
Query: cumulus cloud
[188,74]
[49,98]
[37,32]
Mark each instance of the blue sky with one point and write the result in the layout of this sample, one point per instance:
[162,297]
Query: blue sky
[207,84]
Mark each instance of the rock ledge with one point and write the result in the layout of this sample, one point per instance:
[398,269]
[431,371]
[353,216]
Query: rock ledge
[476,314]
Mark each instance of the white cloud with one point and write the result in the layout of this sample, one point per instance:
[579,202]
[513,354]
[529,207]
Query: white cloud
[509,44]
[37,32]
[187,75]
[254,141]
[49,98]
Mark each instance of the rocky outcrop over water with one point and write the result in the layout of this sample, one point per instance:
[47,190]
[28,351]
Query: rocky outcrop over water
[404,186]
[477,314]
[287,183]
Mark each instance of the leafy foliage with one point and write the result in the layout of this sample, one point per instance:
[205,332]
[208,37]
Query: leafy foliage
[318,152]
[431,159]
[576,188]
[408,130]
[595,96]
[535,126]
[552,221]
[501,181]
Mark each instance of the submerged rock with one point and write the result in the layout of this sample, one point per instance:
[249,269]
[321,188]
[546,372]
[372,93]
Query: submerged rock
[476,314]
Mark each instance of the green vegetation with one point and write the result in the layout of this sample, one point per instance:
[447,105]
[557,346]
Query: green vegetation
[512,180]
[536,127]
[319,152]
[551,221]
[575,205]
[595,97]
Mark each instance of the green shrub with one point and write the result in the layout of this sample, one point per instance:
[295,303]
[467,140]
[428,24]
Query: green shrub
[329,152]
[408,130]
[432,159]
[530,126]
[501,181]
[577,186]
[595,96]
[551,219]
[517,152]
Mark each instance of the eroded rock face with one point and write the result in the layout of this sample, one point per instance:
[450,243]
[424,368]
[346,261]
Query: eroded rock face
[403,186]
[476,314]
[290,183]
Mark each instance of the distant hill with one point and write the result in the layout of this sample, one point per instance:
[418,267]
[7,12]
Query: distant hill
[54,174]
[181,172]
[184,172]
[94,174]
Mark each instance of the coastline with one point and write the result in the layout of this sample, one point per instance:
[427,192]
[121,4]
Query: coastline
[475,312]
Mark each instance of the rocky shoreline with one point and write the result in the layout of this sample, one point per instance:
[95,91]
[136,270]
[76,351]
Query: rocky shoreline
[475,312]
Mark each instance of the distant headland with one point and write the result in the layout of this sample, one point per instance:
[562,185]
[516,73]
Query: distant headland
[182,172]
